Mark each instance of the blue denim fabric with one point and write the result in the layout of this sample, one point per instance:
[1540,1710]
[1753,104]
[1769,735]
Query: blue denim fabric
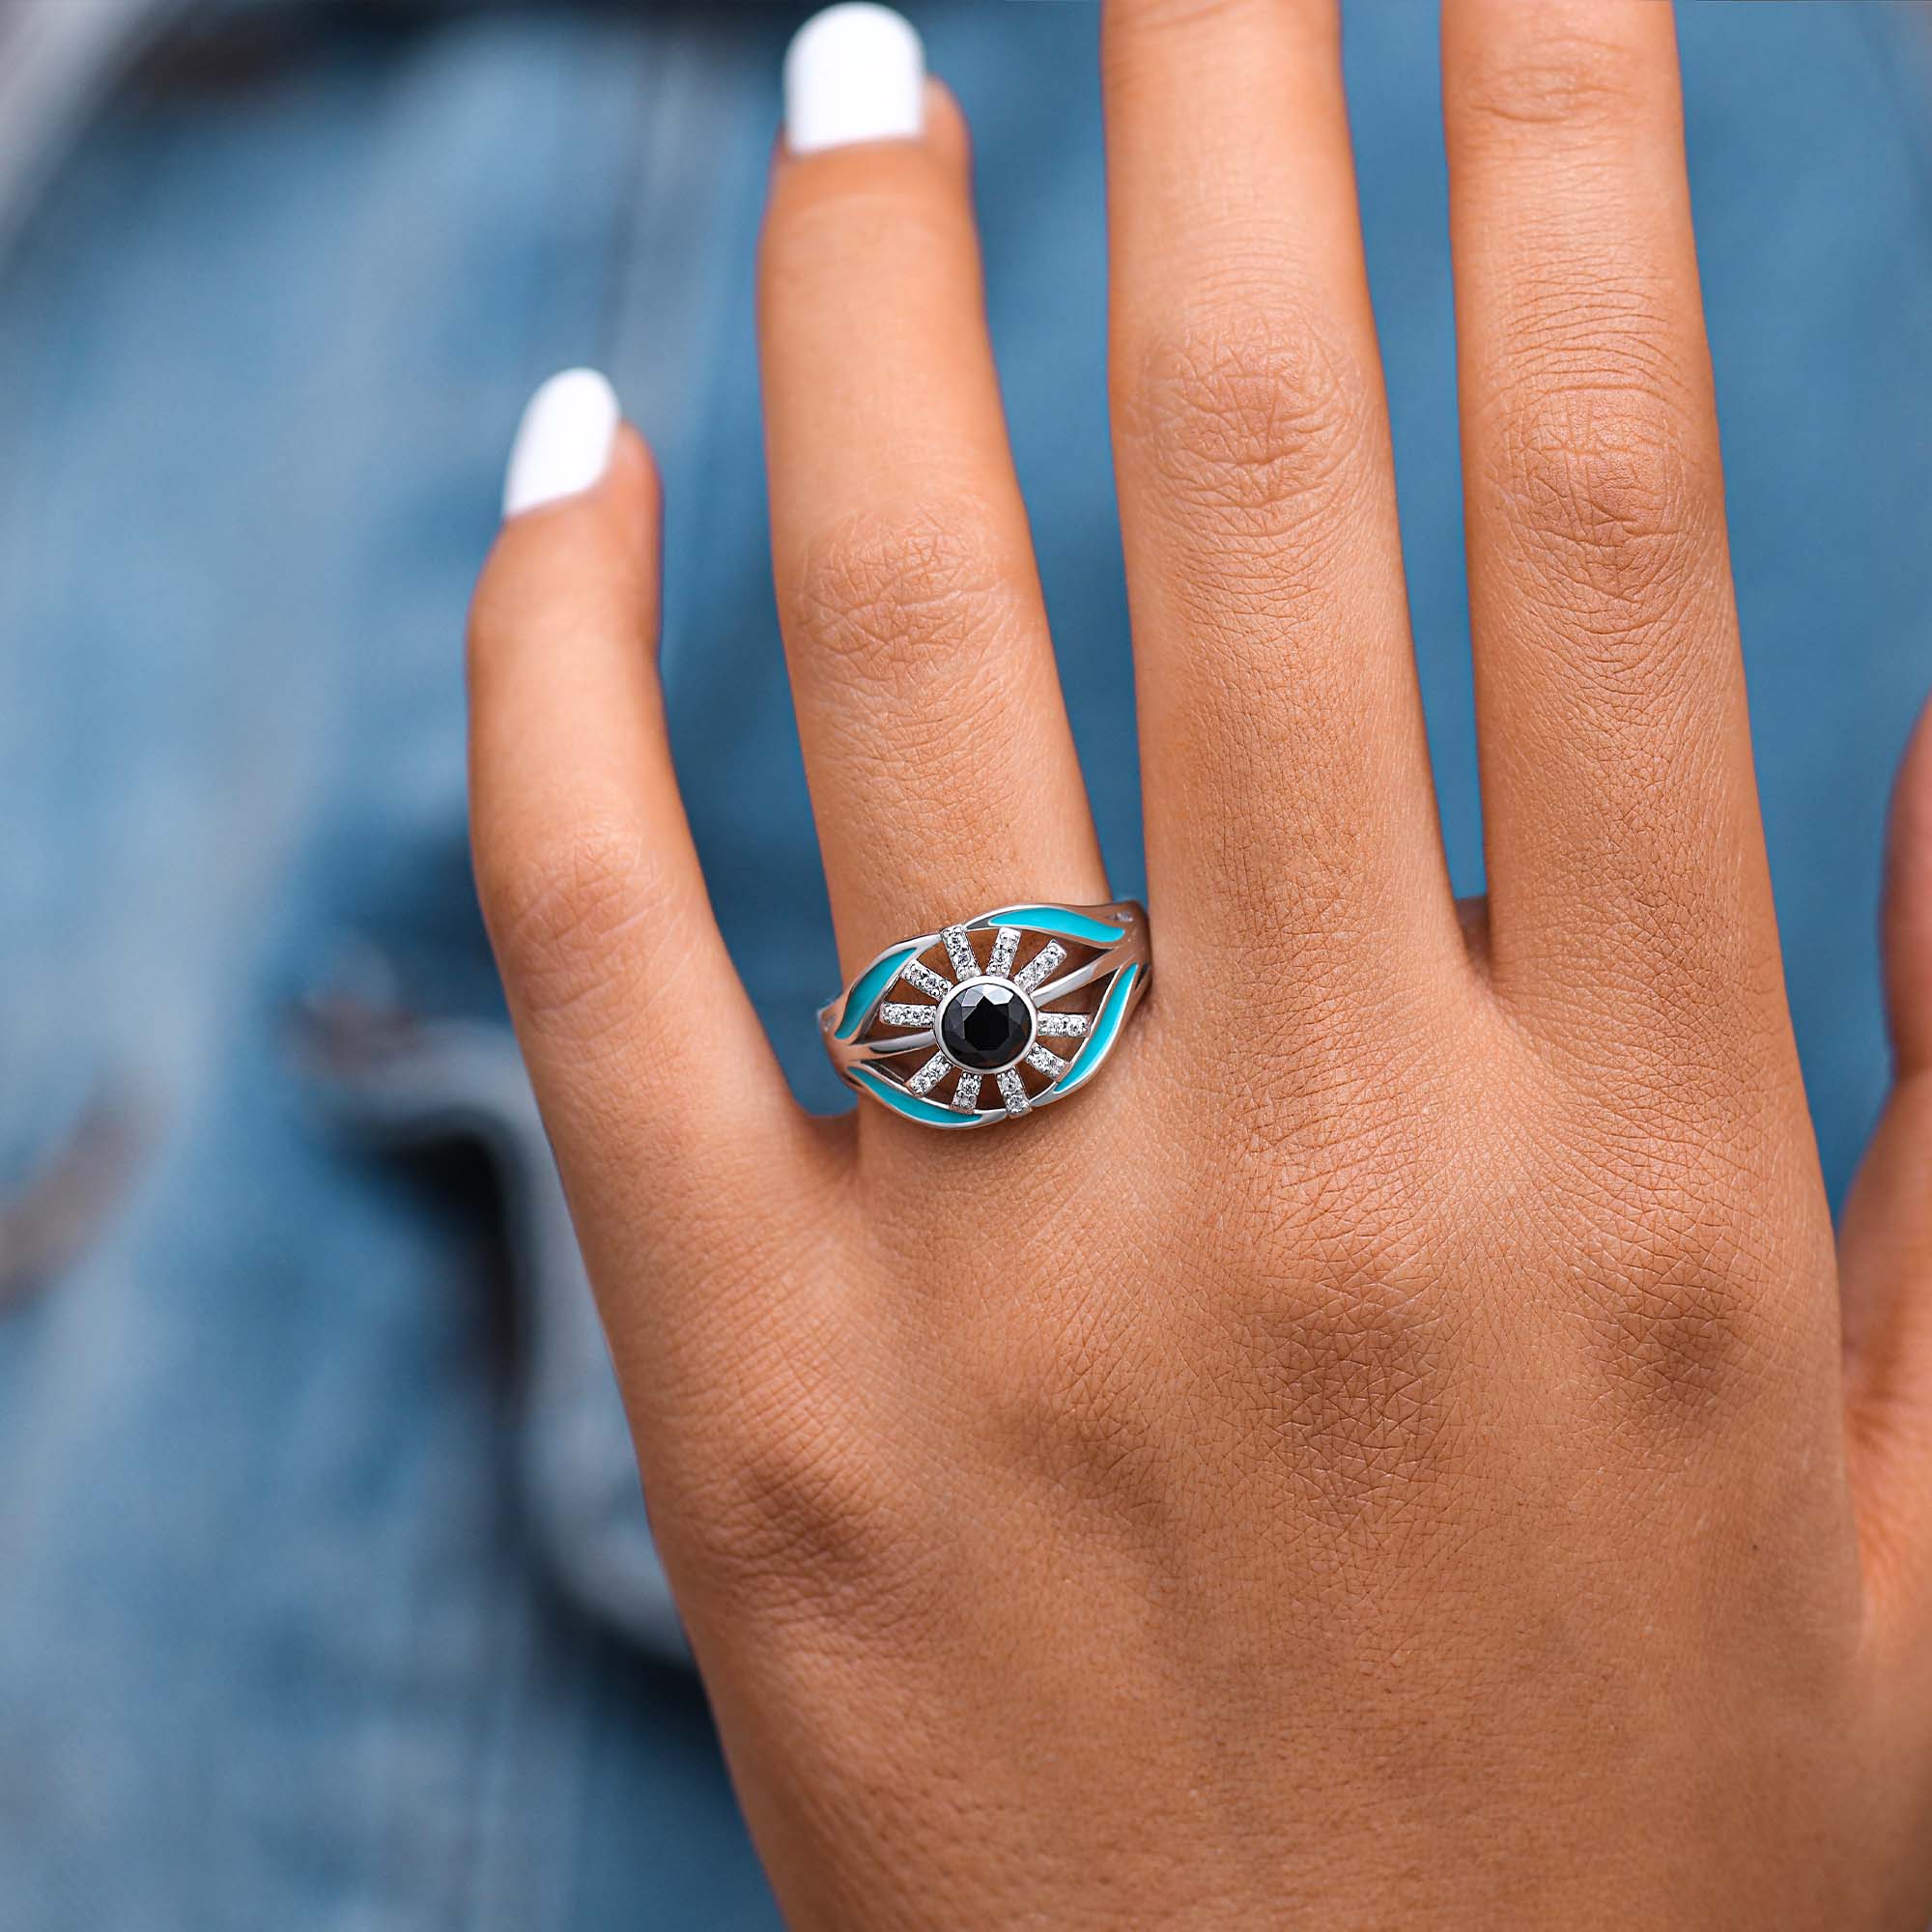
[324,1592]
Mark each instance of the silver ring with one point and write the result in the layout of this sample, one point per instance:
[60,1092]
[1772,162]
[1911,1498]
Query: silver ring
[992,1018]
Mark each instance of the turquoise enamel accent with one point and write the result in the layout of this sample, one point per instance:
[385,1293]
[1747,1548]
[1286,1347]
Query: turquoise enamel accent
[869,989]
[927,1112]
[1100,1035]
[1062,924]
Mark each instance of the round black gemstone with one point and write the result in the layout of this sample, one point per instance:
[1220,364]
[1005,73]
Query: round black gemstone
[986,1026]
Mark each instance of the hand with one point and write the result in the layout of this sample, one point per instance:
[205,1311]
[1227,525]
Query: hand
[1384,1455]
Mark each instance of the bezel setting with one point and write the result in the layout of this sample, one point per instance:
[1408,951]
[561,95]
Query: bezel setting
[971,1065]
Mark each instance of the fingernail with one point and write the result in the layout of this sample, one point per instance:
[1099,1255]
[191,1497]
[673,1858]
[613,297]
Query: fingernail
[855,73]
[563,442]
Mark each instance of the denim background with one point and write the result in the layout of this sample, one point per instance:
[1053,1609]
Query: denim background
[324,1594]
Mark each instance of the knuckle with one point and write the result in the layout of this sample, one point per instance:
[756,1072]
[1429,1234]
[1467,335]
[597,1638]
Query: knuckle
[1679,1290]
[1250,405]
[894,597]
[1338,1407]
[559,905]
[1562,75]
[1678,1323]
[1350,1324]
[1610,513]
[808,1527]
[1076,1412]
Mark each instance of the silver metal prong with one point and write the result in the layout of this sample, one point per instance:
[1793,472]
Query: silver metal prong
[929,1075]
[959,950]
[918,974]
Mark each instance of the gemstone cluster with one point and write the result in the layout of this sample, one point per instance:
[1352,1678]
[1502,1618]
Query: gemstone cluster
[985,1023]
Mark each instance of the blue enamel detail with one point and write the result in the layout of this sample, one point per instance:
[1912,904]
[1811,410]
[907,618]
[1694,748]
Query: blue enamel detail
[927,1112]
[869,989]
[1062,924]
[1100,1035]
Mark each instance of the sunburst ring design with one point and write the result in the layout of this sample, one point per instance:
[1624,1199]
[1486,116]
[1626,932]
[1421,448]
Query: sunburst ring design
[991,1019]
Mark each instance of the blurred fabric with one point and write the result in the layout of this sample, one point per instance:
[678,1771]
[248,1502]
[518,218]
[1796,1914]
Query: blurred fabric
[326,1593]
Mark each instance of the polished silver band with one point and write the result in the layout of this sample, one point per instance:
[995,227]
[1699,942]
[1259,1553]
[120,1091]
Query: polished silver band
[992,1018]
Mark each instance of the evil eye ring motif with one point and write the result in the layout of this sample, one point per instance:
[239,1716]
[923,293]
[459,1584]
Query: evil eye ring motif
[993,1017]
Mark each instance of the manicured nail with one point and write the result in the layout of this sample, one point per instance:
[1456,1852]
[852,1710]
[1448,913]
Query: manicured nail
[563,442]
[855,73]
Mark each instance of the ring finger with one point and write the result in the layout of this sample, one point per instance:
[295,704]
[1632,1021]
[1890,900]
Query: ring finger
[943,774]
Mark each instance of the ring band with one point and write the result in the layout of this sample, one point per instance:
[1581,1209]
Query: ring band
[1015,1009]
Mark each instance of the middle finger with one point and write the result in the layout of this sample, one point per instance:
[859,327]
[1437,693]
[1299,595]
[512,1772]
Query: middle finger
[1291,821]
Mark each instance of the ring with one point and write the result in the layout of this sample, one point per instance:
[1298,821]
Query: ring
[996,989]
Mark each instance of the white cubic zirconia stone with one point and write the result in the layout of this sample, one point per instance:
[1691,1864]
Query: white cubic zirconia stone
[1006,950]
[1046,960]
[895,1012]
[966,1095]
[1064,1026]
[959,950]
[925,980]
[1014,1095]
[929,1075]
[1049,1063]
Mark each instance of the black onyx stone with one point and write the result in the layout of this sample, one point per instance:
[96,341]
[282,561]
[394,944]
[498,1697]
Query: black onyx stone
[986,1026]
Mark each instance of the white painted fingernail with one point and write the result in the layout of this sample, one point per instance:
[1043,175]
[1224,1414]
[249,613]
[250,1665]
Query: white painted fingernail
[563,443]
[855,73]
